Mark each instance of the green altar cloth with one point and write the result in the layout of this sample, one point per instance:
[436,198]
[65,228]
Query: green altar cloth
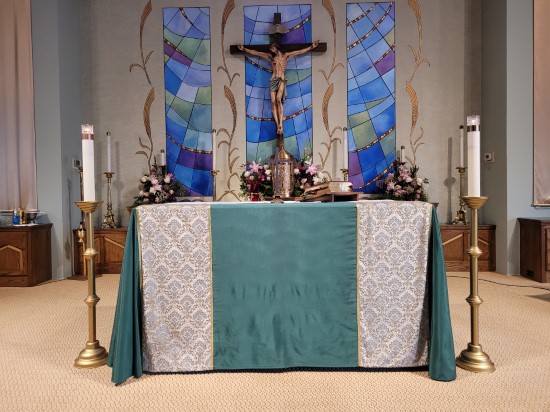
[284,291]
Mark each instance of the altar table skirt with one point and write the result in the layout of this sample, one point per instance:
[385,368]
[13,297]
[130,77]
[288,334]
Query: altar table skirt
[263,286]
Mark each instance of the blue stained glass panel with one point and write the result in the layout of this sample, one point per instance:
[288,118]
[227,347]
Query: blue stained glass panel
[187,82]
[297,124]
[371,92]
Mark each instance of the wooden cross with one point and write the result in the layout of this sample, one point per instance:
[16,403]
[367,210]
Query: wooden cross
[276,36]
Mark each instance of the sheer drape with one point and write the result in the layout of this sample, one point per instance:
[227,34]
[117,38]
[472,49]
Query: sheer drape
[17,141]
[541,153]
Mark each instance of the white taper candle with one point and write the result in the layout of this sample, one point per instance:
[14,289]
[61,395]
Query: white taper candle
[345,145]
[88,168]
[109,168]
[474,156]
[214,149]
[162,157]
[461,145]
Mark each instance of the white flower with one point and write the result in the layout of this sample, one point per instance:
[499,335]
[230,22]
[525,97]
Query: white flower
[317,179]
[419,181]
[268,172]
[141,193]
[260,167]
[408,179]
[301,186]
[152,189]
[296,171]
[143,179]
[171,192]
[166,179]
[246,174]
[268,177]
[154,181]
[266,166]
[251,177]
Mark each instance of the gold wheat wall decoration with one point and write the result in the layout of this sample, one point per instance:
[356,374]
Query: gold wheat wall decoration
[231,151]
[329,92]
[415,142]
[146,147]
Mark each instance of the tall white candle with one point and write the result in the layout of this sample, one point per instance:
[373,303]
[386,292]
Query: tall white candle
[402,154]
[162,158]
[346,148]
[109,169]
[88,168]
[474,156]
[461,145]
[214,149]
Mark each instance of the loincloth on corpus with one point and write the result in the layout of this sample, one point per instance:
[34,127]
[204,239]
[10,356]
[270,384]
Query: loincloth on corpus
[275,83]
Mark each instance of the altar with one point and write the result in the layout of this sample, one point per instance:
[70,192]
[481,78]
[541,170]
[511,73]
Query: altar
[260,286]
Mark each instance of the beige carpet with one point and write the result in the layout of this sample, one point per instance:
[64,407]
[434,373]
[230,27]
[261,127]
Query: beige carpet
[42,329]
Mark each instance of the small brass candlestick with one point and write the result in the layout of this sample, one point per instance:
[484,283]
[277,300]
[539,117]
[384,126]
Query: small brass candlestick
[214,174]
[109,219]
[93,355]
[461,213]
[473,358]
[345,173]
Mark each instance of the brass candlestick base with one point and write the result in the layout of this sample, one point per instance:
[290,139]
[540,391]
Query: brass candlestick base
[460,213]
[109,219]
[214,173]
[93,355]
[473,358]
[345,173]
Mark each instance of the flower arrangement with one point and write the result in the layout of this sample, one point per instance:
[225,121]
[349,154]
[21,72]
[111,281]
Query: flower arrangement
[403,183]
[306,174]
[158,187]
[256,181]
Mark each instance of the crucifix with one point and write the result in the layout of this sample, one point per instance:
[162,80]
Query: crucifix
[278,54]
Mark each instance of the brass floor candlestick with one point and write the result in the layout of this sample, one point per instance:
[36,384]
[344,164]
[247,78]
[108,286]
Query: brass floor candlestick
[109,219]
[461,213]
[214,173]
[473,358]
[93,355]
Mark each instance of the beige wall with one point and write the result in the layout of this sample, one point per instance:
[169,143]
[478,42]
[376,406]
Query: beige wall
[447,90]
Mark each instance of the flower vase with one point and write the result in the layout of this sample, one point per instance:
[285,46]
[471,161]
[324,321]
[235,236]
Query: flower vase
[254,191]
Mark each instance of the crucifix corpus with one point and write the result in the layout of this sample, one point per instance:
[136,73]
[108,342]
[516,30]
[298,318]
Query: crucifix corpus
[278,54]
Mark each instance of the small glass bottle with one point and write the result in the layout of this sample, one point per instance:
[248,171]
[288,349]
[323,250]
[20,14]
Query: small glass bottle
[16,220]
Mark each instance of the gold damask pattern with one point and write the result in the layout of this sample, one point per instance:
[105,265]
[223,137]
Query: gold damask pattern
[177,283]
[392,300]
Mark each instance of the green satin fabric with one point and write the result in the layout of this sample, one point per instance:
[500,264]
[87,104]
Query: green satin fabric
[284,285]
[125,349]
[442,366]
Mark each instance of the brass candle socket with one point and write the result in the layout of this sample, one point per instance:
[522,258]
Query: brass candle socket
[109,219]
[345,173]
[473,358]
[214,173]
[93,355]
[461,213]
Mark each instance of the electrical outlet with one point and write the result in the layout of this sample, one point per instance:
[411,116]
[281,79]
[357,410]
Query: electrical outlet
[489,157]
[76,163]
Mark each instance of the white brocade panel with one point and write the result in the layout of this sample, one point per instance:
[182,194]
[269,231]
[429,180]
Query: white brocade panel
[177,298]
[392,255]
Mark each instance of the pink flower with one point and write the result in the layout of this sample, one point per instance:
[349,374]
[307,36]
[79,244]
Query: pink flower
[254,167]
[312,169]
[391,186]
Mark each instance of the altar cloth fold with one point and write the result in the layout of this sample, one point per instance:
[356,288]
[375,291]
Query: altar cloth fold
[282,283]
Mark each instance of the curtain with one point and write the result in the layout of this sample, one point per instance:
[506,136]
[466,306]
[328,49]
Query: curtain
[541,106]
[17,140]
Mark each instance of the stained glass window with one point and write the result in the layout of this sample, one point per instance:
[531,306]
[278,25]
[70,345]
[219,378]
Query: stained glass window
[297,123]
[188,92]
[371,92]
